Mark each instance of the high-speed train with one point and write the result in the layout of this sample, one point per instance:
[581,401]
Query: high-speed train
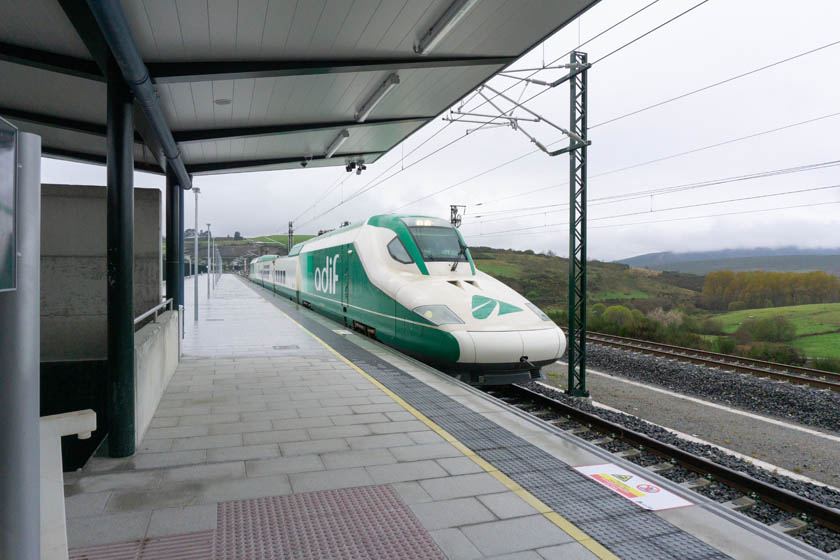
[410,282]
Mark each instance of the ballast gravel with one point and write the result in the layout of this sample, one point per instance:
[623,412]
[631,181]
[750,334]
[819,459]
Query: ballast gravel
[798,403]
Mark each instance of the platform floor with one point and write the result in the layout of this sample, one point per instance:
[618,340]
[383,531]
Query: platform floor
[283,436]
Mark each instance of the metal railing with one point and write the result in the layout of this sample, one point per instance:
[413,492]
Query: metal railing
[154,311]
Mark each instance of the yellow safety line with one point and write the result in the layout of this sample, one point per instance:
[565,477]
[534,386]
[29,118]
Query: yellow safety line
[582,538]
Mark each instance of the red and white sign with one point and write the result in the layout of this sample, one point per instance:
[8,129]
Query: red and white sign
[633,487]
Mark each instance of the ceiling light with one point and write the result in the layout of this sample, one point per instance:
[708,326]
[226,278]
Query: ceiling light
[453,14]
[336,144]
[384,88]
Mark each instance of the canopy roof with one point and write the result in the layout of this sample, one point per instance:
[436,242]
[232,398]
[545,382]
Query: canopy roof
[260,84]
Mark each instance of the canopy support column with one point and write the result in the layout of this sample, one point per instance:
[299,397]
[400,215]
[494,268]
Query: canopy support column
[174,227]
[120,277]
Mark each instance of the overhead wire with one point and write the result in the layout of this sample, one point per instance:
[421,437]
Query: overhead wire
[681,96]
[671,208]
[370,186]
[624,197]
[648,222]
[660,159]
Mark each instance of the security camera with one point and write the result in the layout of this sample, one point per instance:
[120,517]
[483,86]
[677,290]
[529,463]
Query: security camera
[304,163]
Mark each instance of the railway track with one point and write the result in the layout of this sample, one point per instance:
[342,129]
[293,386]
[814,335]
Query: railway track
[780,372]
[616,436]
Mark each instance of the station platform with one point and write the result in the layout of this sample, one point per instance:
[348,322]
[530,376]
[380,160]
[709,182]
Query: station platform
[283,435]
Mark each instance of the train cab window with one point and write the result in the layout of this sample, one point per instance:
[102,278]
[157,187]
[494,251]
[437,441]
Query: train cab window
[436,239]
[398,251]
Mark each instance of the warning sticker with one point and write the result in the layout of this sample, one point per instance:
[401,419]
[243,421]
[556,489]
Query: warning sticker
[633,487]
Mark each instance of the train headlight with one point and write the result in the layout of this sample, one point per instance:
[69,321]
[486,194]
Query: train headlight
[538,311]
[438,314]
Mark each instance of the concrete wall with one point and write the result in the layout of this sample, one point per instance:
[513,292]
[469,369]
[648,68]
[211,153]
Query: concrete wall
[156,355]
[73,274]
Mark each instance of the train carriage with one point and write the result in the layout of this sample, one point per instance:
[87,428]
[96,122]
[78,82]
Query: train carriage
[411,283]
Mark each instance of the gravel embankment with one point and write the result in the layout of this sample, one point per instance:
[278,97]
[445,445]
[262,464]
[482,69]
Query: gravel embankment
[801,404]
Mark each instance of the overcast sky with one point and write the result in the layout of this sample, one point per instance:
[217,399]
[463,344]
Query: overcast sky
[720,39]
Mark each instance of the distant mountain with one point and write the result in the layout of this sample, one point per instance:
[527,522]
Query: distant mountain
[783,259]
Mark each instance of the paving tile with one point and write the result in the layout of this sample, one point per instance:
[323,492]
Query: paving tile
[168,459]
[402,472]
[380,407]
[400,416]
[378,441]
[297,423]
[86,505]
[164,422]
[568,551]
[425,437]
[318,410]
[329,480]
[240,427]
[178,495]
[276,436]
[455,544]
[203,419]
[462,486]
[429,451]
[345,401]
[459,465]
[244,489]
[358,458]
[175,432]
[243,453]
[525,555]
[395,427]
[411,492]
[451,513]
[203,473]
[507,505]
[115,528]
[359,419]
[118,481]
[284,465]
[316,446]
[513,535]
[207,442]
[332,432]
[178,521]
[271,415]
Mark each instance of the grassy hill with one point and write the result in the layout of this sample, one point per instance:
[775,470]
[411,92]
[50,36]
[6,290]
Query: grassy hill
[279,238]
[544,280]
[785,259]
[817,326]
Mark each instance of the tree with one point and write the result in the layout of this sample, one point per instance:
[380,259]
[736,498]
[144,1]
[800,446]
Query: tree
[237,236]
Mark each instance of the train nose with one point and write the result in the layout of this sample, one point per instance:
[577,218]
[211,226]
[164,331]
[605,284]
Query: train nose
[509,347]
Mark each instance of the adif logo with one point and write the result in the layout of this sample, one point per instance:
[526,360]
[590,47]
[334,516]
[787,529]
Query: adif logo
[326,278]
[483,307]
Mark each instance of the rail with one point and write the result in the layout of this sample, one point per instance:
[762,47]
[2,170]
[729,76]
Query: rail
[781,372]
[154,311]
[779,497]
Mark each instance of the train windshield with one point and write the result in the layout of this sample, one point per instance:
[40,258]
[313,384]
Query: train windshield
[436,239]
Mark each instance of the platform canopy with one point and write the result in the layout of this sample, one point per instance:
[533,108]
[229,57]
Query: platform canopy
[257,85]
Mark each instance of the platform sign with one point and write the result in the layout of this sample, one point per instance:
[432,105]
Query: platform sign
[8,181]
[633,487]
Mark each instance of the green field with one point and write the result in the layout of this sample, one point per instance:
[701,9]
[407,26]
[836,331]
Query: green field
[817,326]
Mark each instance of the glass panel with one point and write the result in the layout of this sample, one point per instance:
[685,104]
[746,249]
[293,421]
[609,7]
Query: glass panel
[398,251]
[437,243]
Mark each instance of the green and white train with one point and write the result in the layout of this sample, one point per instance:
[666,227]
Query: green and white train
[410,282]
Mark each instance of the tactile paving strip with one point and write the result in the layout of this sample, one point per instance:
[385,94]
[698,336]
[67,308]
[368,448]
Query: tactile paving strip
[365,523]
[551,480]
[192,546]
